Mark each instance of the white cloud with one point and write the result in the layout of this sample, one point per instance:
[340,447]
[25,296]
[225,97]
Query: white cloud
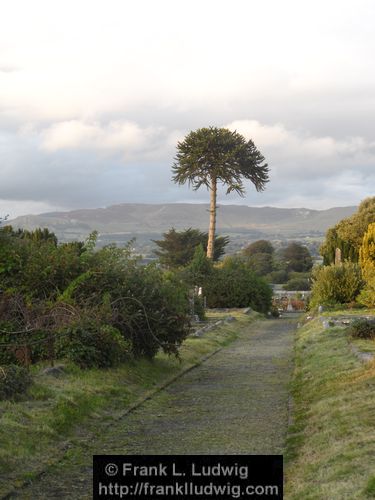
[127,138]
[14,208]
[294,150]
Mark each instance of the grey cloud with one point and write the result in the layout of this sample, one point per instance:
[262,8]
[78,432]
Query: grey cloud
[87,177]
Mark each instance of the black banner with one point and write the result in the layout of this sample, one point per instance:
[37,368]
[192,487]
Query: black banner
[188,477]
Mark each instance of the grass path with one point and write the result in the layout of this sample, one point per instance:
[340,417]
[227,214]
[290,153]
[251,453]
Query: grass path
[234,403]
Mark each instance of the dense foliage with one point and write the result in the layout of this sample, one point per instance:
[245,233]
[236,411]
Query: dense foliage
[290,265]
[235,285]
[177,247]
[363,329]
[299,284]
[348,234]
[336,284]
[352,240]
[367,262]
[90,306]
[261,263]
[150,308]
[14,380]
[91,345]
[296,257]
[259,247]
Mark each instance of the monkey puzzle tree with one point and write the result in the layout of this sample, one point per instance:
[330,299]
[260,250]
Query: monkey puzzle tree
[209,156]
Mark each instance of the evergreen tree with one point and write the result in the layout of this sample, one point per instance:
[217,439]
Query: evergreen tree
[177,248]
[214,155]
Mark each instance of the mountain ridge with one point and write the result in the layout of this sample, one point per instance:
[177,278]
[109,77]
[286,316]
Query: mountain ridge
[121,222]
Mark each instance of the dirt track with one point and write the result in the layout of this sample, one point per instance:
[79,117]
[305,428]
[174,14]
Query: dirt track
[234,403]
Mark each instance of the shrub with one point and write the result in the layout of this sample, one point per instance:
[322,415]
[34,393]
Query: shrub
[367,261]
[336,284]
[259,246]
[297,284]
[278,277]
[148,307]
[14,380]
[199,307]
[363,329]
[7,354]
[296,257]
[367,295]
[235,285]
[92,346]
[261,263]
[38,268]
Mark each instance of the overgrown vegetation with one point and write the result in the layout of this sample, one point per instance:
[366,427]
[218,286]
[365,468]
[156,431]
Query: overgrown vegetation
[348,271]
[363,329]
[367,262]
[14,381]
[90,306]
[290,265]
[99,308]
[177,248]
[34,430]
[336,284]
[332,436]
[347,235]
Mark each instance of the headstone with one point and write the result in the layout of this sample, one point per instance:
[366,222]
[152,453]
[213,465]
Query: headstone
[337,257]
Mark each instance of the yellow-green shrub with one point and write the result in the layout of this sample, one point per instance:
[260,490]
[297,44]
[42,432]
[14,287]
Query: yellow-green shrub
[336,284]
[367,261]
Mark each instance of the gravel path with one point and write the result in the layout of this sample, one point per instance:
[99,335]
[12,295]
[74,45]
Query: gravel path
[234,403]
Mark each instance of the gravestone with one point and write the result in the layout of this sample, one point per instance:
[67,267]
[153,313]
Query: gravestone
[337,257]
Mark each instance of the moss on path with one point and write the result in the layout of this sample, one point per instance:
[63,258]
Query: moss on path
[234,403]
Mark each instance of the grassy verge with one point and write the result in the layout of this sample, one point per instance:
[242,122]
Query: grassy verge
[331,444]
[38,429]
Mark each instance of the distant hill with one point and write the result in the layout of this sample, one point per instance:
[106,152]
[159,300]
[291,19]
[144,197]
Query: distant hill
[119,223]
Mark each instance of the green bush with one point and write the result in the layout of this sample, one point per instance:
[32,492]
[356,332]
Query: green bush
[261,263]
[92,346]
[297,284]
[363,329]
[7,354]
[336,284]
[150,308]
[18,329]
[38,269]
[235,285]
[367,296]
[199,307]
[14,380]
[278,277]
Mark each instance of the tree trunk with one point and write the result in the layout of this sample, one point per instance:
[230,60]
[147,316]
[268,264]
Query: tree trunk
[212,228]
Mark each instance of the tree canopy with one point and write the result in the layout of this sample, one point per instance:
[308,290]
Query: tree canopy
[261,263]
[348,234]
[177,248]
[259,246]
[296,257]
[211,156]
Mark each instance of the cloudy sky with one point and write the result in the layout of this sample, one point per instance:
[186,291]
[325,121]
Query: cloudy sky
[94,96]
